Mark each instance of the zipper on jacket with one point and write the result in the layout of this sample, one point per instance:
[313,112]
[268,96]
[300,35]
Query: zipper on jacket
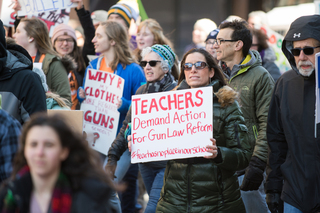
[220,185]
[189,191]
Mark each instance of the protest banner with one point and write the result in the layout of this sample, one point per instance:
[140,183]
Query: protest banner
[101,117]
[32,7]
[7,13]
[171,125]
[54,18]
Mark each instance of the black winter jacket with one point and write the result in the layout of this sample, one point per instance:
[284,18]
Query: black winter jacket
[21,89]
[294,152]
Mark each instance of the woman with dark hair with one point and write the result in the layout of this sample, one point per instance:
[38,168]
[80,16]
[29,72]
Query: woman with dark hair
[32,34]
[209,184]
[259,43]
[55,171]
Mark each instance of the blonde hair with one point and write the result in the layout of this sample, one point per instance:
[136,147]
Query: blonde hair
[38,30]
[63,102]
[157,31]
[118,34]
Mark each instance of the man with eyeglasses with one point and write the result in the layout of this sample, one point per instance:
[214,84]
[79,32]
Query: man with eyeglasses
[210,41]
[247,76]
[294,151]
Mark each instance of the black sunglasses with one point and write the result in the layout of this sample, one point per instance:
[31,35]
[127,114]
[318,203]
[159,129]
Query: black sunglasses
[152,63]
[198,65]
[306,51]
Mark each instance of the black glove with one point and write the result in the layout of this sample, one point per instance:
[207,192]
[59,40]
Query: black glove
[275,204]
[254,175]
[111,165]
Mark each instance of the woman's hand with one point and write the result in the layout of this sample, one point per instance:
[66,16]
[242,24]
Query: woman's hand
[16,5]
[80,3]
[82,94]
[213,149]
[129,142]
[119,104]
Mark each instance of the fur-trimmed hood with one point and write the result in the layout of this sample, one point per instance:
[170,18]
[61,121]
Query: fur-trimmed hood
[225,94]
[69,63]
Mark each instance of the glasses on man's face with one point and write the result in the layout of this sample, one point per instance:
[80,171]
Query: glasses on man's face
[306,51]
[198,65]
[152,63]
[220,40]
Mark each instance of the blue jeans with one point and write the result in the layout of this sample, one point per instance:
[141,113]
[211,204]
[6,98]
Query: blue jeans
[287,208]
[122,167]
[254,201]
[153,181]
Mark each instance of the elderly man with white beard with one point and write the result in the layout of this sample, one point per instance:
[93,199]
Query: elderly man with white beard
[293,183]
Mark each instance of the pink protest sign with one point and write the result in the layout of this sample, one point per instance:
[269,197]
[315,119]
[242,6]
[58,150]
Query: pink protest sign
[171,125]
[101,117]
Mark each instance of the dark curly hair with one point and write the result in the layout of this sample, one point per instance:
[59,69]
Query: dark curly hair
[81,161]
[240,32]
[261,38]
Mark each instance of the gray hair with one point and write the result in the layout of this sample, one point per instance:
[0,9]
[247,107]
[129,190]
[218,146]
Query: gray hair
[164,63]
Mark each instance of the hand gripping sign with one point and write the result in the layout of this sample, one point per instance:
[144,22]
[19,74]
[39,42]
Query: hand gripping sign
[101,117]
[171,125]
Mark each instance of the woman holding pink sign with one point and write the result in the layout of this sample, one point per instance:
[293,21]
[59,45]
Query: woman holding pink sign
[209,184]
[158,64]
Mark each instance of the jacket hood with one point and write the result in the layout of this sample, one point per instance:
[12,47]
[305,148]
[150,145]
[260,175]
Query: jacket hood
[17,59]
[253,59]
[302,28]
[69,63]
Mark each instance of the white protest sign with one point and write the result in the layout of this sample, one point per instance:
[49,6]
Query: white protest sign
[317,113]
[53,18]
[171,125]
[101,117]
[7,13]
[40,6]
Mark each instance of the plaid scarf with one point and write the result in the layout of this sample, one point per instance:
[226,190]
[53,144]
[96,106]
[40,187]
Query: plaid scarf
[61,197]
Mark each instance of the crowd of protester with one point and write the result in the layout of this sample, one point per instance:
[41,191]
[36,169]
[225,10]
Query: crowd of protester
[264,153]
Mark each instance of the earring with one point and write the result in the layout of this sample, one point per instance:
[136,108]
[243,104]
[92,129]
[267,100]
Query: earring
[30,40]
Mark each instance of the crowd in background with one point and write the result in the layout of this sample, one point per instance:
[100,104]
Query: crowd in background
[264,152]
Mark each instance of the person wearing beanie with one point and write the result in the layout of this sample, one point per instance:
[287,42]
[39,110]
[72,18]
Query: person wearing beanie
[122,13]
[64,42]
[157,62]
[210,41]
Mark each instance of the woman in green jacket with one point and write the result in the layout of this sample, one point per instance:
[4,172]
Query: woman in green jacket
[209,184]
[32,34]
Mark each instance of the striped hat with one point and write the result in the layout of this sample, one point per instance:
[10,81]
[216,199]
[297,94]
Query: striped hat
[165,52]
[124,11]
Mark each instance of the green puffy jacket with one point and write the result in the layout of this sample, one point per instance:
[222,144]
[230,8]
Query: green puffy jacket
[255,85]
[56,76]
[211,185]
